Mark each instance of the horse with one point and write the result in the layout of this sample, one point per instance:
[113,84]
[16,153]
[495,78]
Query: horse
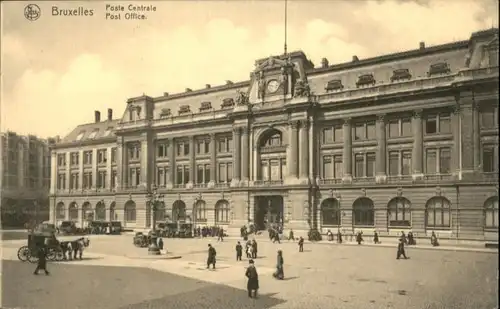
[75,246]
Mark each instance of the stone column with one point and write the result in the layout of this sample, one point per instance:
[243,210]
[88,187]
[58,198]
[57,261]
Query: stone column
[381,175]
[418,146]
[192,162]
[304,152]
[292,161]
[80,170]
[53,172]
[144,161]
[94,169]
[347,153]
[120,165]
[68,171]
[40,161]
[171,163]
[245,152]
[109,169]
[476,136]
[455,154]
[20,167]
[213,160]
[236,156]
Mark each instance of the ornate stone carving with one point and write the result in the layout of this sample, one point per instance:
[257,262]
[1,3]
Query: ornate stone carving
[347,121]
[261,85]
[184,109]
[302,89]
[334,193]
[294,124]
[439,68]
[438,191]
[237,130]
[381,118]
[242,98]
[363,192]
[166,112]
[456,109]
[227,103]
[245,130]
[399,192]
[222,195]
[417,113]
[205,106]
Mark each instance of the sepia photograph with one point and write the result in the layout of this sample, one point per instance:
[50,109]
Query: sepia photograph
[249,154]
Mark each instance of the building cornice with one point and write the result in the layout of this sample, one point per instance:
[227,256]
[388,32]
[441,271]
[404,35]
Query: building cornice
[89,142]
[202,91]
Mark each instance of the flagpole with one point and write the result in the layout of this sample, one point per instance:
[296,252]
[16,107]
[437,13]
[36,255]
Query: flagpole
[286,6]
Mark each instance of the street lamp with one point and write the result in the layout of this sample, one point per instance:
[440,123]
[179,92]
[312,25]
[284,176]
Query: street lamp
[154,199]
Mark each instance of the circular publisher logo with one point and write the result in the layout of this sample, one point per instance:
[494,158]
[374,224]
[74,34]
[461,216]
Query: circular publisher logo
[32,12]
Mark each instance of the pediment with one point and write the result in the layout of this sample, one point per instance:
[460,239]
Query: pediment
[493,43]
[271,63]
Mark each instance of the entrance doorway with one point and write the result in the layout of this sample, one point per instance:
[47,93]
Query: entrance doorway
[268,210]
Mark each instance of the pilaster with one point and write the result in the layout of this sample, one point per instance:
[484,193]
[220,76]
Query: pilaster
[417,151]
[80,169]
[68,172]
[120,162]
[109,169]
[292,161]
[40,167]
[192,164]
[53,172]
[381,175]
[347,153]
[171,163]
[476,136]
[469,138]
[94,168]
[245,152]
[236,156]
[213,161]
[304,152]
[455,154]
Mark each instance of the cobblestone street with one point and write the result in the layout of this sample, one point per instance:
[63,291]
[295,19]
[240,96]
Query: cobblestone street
[324,276]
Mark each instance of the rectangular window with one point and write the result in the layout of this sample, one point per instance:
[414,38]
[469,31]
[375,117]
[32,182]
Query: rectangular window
[370,164]
[370,131]
[186,174]
[393,128]
[162,150]
[222,145]
[327,167]
[87,157]
[180,174]
[200,173]
[222,173]
[74,181]
[180,149]
[186,149]
[359,165]
[160,176]
[229,172]
[101,179]
[444,161]
[338,167]
[489,159]
[206,146]
[87,180]
[74,158]
[265,171]
[229,144]
[488,117]
[61,160]
[283,169]
[394,163]
[113,179]
[431,125]
[406,127]
[359,131]
[113,155]
[61,182]
[101,156]
[444,123]
[430,161]
[199,147]
[328,136]
[338,133]
[207,173]
[406,164]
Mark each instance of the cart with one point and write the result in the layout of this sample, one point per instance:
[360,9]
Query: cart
[37,240]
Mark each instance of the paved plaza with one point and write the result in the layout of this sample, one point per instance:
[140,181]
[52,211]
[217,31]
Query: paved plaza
[114,274]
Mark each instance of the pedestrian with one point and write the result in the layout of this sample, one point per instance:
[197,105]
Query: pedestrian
[290,235]
[42,261]
[276,238]
[160,243]
[434,240]
[253,280]
[279,274]
[403,237]
[248,249]
[254,249]
[411,239]
[359,237]
[301,244]
[401,249]
[239,251]
[211,256]
[221,235]
[339,236]
[375,238]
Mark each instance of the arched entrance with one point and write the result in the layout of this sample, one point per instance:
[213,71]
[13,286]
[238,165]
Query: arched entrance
[112,213]
[491,213]
[100,211]
[87,214]
[271,157]
[363,212]
[130,213]
[60,213]
[222,212]
[268,211]
[73,212]
[200,211]
[178,211]
[330,212]
[160,215]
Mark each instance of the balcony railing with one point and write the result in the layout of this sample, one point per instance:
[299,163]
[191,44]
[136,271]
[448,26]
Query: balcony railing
[490,176]
[179,185]
[438,177]
[363,180]
[223,185]
[264,183]
[399,179]
[330,181]
[200,185]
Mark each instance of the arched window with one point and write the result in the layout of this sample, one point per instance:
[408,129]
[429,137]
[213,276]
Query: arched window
[273,138]
[363,212]
[330,212]
[112,214]
[437,213]
[130,212]
[100,211]
[200,211]
[179,211]
[491,213]
[73,212]
[60,211]
[399,212]
[160,212]
[87,213]
[222,212]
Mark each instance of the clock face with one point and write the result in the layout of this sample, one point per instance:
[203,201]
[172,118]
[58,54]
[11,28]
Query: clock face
[273,85]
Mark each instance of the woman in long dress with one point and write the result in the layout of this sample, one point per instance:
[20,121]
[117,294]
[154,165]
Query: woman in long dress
[279,274]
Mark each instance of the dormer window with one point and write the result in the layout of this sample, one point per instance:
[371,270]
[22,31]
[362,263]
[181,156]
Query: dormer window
[227,103]
[439,69]
[80,136]
[165,112]
[184,109]
[205,106]
[365,80]
[400,74]
[107,132]
[334,85]
[93,134]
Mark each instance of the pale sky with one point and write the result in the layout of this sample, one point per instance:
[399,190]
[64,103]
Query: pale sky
[58,69]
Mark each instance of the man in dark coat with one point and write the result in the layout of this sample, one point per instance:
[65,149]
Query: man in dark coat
[253,280]
[301,244]
[42,261]
[276,238]
[375,238]
[160,243]
[359,237]
[239,251]
[280,273]
[401,249]
[254,249]
[339,236]
[221,235]
[211,256]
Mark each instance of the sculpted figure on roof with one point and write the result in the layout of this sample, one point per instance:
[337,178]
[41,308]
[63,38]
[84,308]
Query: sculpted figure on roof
[302,89]
[242,98]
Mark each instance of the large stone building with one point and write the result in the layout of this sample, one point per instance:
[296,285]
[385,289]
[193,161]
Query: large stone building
[25,178]
[396,142]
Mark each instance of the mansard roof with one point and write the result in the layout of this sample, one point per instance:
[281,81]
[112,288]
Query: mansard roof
[95,131]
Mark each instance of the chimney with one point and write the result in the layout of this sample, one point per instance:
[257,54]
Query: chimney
[422,45]
[110,114]
[165,94]
[189,89]
[355,58]
[324,63]
[228,82]
[97,115]
[207,86]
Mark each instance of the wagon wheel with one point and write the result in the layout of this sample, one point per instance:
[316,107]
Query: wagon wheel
[23,253]
[59,255]
[33,258]
[51,255]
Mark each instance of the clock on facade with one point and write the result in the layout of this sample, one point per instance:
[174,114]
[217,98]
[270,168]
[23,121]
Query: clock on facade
[273,85]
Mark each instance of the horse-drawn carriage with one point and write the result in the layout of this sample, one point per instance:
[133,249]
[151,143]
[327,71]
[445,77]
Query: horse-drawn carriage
[55,250]
[141,240]
[174,230]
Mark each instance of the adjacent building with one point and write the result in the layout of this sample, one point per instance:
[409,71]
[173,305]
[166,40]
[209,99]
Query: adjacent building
[391,143]
[25,178]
